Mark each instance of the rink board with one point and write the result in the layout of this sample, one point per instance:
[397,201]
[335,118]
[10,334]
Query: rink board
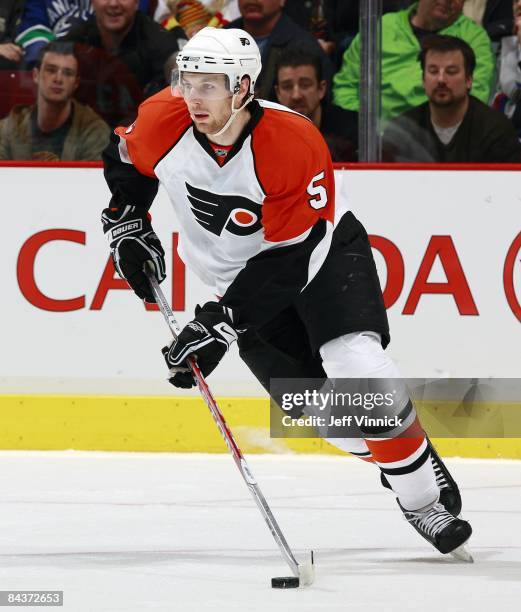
[82,353]
[175,424]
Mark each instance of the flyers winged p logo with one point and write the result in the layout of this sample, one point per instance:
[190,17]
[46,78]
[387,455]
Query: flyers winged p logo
[216,213]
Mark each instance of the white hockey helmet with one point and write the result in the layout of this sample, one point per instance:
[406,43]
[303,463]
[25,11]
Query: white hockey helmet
[232,52]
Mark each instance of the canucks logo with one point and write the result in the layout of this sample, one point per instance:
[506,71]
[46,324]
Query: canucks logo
[216,213]
[65,14]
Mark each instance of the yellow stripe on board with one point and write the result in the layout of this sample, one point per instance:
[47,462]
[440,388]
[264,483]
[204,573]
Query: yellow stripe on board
[175,424]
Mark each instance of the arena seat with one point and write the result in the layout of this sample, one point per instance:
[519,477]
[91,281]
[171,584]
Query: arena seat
[16,87]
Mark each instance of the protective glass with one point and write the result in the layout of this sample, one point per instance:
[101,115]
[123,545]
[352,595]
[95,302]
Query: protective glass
[203,86]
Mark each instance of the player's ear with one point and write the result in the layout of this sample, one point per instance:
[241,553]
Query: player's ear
[245,85]
[244,89]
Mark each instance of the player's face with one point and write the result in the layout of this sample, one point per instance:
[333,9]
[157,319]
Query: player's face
[208,99]
[259,10]
[444,11]
[445,80]
[299,89]
[115,15]
[57,78]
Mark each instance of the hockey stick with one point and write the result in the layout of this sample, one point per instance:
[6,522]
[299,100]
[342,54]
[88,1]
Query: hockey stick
[304,572]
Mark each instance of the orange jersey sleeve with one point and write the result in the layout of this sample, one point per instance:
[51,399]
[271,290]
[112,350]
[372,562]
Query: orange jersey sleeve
[161,121]
[295,170]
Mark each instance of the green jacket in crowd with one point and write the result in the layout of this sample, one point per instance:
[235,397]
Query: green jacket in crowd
[401,71]
[87,137]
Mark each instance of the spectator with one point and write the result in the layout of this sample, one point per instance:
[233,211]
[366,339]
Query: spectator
[227,10]
[57,127]
[317,17]
[509,95]
[273,31]
[122,54]
[401,75]
[45,20]
[452,126]
[345,18]
[300,87]
[10,53]
[191,15]
[494,15]
[335,21]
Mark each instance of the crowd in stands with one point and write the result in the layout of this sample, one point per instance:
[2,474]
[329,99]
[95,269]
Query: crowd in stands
[73,70]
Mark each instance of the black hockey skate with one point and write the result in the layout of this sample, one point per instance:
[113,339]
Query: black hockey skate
[450,496]
[443,530]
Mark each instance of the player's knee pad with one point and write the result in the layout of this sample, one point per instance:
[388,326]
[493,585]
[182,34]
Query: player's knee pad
[357,355]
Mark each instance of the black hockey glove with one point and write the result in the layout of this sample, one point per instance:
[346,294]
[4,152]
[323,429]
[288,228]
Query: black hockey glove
[207,338]
[133,242]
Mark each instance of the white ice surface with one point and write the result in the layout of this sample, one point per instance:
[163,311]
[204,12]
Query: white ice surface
[165,532]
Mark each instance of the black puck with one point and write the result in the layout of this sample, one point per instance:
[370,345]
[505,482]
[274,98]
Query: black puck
[285,582]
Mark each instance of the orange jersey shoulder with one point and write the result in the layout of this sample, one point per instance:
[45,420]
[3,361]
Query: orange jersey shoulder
[289,130]
[294,167]
[162,120]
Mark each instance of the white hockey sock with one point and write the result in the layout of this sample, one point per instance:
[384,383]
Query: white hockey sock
[415,488]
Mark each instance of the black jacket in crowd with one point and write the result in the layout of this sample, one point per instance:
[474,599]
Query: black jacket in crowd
[484,136]
[285,33]
[498,19]
[339,127]
[114,84]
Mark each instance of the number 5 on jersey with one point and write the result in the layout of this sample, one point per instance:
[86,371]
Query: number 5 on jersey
[317,190]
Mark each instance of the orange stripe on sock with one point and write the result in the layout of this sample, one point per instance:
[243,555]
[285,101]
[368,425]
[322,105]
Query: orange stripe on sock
[397,449]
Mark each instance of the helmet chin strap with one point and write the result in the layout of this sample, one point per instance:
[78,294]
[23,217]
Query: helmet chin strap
[234,114]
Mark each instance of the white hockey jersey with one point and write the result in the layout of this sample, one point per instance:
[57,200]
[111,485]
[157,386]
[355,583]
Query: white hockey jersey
[257,225]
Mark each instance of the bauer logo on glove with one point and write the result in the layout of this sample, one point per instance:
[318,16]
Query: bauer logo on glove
[132,243]
[206,338]
[126,229]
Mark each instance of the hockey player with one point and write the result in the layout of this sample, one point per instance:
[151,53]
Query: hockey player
[253,189]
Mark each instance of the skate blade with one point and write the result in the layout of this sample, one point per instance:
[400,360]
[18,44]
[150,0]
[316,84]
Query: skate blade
[462,553]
